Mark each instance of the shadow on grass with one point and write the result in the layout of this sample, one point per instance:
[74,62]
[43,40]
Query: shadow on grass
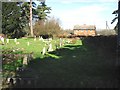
[80,67]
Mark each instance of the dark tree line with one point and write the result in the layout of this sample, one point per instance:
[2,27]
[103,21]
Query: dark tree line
[15,17]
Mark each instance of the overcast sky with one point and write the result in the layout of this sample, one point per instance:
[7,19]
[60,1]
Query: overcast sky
[91,12]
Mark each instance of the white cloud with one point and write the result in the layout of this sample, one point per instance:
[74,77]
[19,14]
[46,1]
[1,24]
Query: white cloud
[82,15]
[91,14]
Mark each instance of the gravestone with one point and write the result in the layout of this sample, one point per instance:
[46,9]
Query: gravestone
[50,39]
[35,38]
[60,42]
[25,60]
[15,40]
[28,43]
[44,51]
[41,38]
[50,48]
[7,40]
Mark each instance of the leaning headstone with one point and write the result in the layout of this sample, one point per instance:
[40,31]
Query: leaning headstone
[50,48]
[15,40]
[7,40]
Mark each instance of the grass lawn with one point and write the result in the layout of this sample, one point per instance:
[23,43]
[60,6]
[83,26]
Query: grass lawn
[86,64]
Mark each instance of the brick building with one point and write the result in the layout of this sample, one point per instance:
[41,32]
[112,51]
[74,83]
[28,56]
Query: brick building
[84,30]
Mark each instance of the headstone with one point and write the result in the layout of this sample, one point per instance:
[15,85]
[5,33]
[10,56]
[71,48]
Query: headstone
[60,42]
[35,38]
[50,39]
[44,51]
[7,40]
[15,40]
[50,48]
[41,38]
[25,60]
[28,43]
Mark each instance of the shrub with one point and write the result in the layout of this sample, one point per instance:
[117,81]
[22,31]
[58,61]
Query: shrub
[49,27]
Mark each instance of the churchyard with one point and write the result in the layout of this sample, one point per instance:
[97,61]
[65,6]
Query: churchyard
[60,62]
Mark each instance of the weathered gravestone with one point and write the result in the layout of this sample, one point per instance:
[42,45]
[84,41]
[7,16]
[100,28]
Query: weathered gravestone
[15,40]
[60,42]
[25,60]
[28,43]
[35,38]
[44,51]
[50,48]
[7,40]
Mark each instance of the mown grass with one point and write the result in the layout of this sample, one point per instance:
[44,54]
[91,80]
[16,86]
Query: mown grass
[78,66]
[86,64]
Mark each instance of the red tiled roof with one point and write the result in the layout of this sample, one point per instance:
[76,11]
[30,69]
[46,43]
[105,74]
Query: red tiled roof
[84,27]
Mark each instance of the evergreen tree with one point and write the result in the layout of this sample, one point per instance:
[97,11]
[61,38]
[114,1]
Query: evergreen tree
[16,15]
[12,20]
[116,17]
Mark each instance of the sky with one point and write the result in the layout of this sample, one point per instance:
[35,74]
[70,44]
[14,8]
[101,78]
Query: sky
[79,12]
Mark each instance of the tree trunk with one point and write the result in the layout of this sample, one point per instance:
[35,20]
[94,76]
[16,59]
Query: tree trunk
[31,27]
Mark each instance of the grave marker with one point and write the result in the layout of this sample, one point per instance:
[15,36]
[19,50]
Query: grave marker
[15,40]
[60,42]
[44,51]
[35,38]
[41,38]
[25,60]
[28,43]
[50,48]
[7,40]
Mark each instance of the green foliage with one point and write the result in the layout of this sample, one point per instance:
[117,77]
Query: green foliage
[12,20]
[42,11]
[15,17]
[116,17]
